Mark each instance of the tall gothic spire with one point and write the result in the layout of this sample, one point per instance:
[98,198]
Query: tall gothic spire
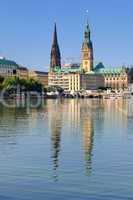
[55,51]
[55,41]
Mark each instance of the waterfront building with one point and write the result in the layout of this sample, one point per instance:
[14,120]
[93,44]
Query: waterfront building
[40,76]
[73,81]
[115,78]
[91,81]
[130,75]
[75,77]
[22,72]
[60,78]
[8,68]
[130,79]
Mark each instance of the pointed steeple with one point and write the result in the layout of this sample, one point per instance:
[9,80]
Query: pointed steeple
[87,34]
[87,50]
[55,41]
[55,51]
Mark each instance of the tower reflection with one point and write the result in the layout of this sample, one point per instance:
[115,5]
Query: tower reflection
[76,116]
[55,127]
[88,135]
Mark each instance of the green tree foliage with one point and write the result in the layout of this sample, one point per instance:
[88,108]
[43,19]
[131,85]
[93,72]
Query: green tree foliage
[25,85]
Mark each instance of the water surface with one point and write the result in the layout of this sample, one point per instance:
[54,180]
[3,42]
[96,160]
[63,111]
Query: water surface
[67,150]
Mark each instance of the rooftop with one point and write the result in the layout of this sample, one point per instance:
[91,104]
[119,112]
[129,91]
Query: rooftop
[70,69]
[8,63]
[40,72]
[112,70]
[23,68]
[100,68]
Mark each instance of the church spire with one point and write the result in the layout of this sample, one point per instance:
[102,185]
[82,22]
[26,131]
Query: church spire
[87,50]
[55,41]
[55,51]
[87,32]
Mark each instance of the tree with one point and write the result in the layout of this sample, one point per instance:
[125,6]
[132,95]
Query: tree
[33,85]
[11,84]
[1,79]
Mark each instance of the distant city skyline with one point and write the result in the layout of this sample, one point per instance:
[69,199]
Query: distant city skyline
[27,29]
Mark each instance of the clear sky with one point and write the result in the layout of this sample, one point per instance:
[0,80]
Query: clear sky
[27,27]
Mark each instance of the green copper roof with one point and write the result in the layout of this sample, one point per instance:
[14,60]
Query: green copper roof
[4,63]
[112,70]
[108,71]
[67,69]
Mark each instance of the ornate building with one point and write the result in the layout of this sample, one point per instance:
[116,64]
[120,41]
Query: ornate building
[87,51]
[75,78]
[115,78]
[41,77]
[8,68]
[23,72]
[85,76]
[55,52]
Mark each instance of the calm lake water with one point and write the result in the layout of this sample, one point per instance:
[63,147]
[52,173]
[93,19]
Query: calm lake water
[67,150]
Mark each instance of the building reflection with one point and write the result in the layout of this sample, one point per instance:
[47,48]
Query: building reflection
[73,115]
[117,112]
[81,120]
[56,140]
[77,118]
[55,120]
[88,134]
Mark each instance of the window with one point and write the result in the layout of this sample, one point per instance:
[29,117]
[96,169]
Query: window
[14,71]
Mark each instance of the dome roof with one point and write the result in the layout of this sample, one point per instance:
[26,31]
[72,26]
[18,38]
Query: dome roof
[4,63]
[99,66]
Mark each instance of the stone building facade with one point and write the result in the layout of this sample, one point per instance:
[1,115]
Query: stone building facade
[86,76]
[8,68]
[115,78]
[40,76]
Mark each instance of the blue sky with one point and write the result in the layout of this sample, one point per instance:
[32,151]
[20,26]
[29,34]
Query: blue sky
[27,27]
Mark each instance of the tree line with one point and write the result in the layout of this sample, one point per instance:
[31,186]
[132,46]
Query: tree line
[11,85]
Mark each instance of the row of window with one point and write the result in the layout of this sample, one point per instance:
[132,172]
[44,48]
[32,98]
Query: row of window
[116,79]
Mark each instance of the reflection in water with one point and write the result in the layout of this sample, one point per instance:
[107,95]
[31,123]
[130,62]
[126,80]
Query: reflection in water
[88,133]
[73,115]
[116,113]
[55,126]
[58,140]
[79,118]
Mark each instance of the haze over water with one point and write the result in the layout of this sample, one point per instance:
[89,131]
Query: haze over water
[67,149]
